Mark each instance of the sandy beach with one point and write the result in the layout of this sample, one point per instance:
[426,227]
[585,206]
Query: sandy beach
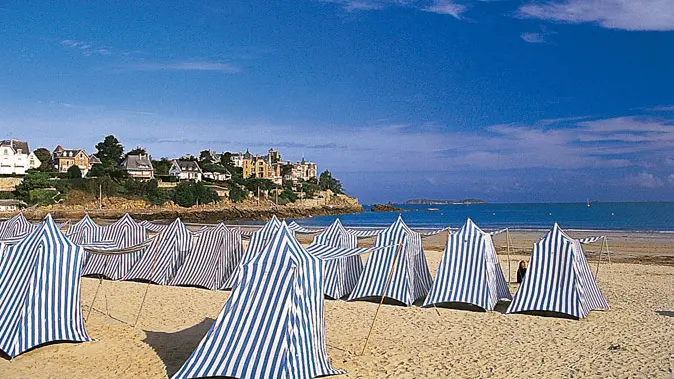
[633,339]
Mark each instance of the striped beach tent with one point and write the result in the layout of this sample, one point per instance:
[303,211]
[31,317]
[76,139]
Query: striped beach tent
[17,226]
[365,233]
[125,233]
[258,240]
[469,271]
[411,279]
[152,227]
[273,324]
[341,274]
[214,257]
[40,291]
[160,261]
[558,279]
[85,231]
[297,228]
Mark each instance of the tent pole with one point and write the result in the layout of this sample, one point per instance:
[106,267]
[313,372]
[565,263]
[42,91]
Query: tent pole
[601,250]
[388,281]
[154,264]
[508,251]
[608,252]
[100,283]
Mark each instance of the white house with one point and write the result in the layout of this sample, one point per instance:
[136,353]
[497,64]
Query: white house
[185,170]
[218,176]
[13,157]
[33,162]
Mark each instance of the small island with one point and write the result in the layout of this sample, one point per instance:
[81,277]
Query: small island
[385,208]
[450,202]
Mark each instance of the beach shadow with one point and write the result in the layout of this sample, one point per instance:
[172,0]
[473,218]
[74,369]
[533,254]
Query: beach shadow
[665,313]
[174,348]
[377,299]
[549,314]
[458,306]
[4,356]
[502,306]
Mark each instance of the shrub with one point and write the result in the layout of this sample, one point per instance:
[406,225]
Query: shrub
[190,194]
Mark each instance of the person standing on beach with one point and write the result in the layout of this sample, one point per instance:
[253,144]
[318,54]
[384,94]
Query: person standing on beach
[521,271]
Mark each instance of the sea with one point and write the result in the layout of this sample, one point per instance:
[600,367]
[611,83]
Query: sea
[655,217]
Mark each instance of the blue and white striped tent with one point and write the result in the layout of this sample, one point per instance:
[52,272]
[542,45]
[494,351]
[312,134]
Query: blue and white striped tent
[258,240]
[214,257]
[125,233]
[85,231]
[273,324]
[411,279]
[152,227]
[299,229]
[365,233]
[469,271]
[558,279]
[159,262]
[15,227]
[40,291]
[341,274]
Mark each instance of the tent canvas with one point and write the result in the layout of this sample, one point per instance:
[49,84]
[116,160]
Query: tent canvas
[85,231]
[17,226]
[258,240]
[341,274]
[558,279]
[161,259]
[126,232]
[469,271]
[214,257]
[273,324]
[410,279]
[40,291]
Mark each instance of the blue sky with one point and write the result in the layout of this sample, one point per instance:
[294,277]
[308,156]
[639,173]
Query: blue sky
[561,100]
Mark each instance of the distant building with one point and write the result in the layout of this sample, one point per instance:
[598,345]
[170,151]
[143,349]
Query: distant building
[301,170]
[93,160]
[33,162]
[13,157]
[66,158]
[138,166]
[218,176]
[185,170]
[11,205]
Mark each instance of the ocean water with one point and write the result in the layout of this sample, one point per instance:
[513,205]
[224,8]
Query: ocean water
[643,216]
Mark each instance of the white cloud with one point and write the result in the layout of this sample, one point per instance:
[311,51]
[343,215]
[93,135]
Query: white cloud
[86,48]
[668,108]
[670,179]
[533,37]
[656,15]
[645,180]
[446,7]
[184,66]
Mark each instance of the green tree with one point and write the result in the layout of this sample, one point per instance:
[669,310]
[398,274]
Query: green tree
[327,182]
[237,194]
[188,194]
[74,172]
[109,152]
[32,180]
[46,159]
[226,160]
[161,167]
[205,156]
[252,184]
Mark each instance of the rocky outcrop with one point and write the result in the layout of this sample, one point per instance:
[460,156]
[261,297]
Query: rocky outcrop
[200,214]
[385,208]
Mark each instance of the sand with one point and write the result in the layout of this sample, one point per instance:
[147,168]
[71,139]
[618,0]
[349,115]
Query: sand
[633,339]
